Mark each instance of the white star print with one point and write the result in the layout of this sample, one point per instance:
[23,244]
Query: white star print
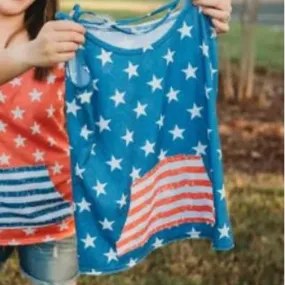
[38,155]
[140,110]
[111,255]
[160,122]
[35,128]
[100,188]
[208,91]
[79,171]
[4,159]
[105,57]
[209,132]
[172,95]
[185,31]
[213,71]
[115,163]
[222,193]
[93,152]
[20,141]
[220,154]
[169,56]
[200,149]
[2,98]
[95,84]
[85,97]
[85,133]
[18,113]
[128,137]
[84,206]
[89,241]
[132,70]
[57,168]
[214,33]
[123,201]
[132,262]
[195,112]
[147,46]
[51,141]
[14,242]
[35,95]
[155,83]
[16,82]
[194,234]
[51,79]
[2,127]
[63,226]
[190,71]
[205,49]
[48,238]
[107,225]
[162,155]
[103,124]
[72,108]
[224,231]
[148,148]
[94,272]
[177,133]
[29,231]
[158,243]
[118,98]
[135,173]
[50,111]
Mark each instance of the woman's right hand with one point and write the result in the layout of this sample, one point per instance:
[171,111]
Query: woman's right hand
[57,42]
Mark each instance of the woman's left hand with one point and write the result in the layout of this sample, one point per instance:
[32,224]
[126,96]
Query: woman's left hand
[219,10]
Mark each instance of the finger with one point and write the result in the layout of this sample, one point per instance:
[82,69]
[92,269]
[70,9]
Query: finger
[221,27]
[223,16]
[68,26]
[66,47]
[64,57]
[70,37]
[218,4]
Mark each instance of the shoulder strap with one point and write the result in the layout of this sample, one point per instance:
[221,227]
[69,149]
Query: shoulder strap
[121,25]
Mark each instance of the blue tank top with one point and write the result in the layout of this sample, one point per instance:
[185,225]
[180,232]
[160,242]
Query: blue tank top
[145,146]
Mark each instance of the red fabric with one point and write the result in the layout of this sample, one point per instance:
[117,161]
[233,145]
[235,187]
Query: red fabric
[32,132]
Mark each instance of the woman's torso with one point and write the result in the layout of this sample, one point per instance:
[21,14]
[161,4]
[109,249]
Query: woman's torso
[35,188]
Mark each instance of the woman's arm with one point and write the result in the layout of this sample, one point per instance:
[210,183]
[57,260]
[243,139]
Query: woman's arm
[219,10]
[57,42]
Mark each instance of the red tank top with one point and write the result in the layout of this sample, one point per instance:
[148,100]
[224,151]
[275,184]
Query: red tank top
[35,179]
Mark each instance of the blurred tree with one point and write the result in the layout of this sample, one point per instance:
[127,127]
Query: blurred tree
[247,65]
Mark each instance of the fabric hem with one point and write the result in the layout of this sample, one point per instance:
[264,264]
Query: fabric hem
[36,281]
[149,251]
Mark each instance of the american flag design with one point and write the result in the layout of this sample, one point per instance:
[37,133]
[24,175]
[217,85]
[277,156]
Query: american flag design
[35,173]
[178,190]
[145,148]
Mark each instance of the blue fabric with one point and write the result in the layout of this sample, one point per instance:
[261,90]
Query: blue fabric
[145,117]
[28,198]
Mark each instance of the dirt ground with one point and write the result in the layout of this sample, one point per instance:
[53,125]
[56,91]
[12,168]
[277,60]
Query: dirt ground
[252,134]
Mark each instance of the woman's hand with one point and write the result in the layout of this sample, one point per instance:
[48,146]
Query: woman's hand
[219,10]
[57,42]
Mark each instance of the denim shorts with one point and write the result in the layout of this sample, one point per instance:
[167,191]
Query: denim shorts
[50,263]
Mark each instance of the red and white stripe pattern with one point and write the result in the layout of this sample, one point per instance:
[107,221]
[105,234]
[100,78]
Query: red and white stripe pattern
[177,191]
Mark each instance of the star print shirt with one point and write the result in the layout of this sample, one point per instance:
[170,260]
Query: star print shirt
[35,188]
[146,155]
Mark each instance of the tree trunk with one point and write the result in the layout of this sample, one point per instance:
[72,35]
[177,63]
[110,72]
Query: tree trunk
[226,76]
[247,64]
